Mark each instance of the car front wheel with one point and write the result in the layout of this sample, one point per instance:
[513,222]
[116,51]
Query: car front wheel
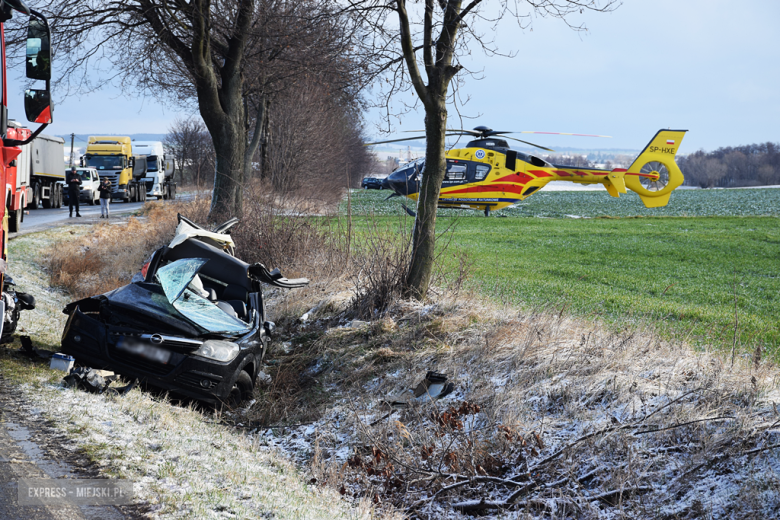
[241,390]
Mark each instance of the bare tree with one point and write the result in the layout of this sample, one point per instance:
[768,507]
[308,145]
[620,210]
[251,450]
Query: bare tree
[215,54]
[189,143]
[419,46]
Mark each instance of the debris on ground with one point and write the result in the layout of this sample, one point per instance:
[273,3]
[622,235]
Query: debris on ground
[91,380]
[62,362]
[31,351]
[434,386]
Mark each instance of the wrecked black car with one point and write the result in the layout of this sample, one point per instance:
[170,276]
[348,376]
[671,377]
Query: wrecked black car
[192,322]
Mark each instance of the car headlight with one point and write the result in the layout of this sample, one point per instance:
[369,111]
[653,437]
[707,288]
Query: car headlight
[218,350]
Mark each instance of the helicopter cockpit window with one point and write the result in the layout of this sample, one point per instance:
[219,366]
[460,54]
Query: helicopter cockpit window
[456,172]
[482,171]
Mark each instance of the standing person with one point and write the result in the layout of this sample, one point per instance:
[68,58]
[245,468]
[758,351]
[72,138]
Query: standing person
[73,180]
[105,196]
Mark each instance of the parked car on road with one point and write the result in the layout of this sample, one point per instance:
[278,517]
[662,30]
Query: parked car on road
[192,322]
[89,186]
[371,183]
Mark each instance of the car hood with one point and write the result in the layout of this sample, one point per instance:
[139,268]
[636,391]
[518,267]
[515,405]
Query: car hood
[143,305]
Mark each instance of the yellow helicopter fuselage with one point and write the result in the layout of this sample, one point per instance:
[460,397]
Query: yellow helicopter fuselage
[495,177]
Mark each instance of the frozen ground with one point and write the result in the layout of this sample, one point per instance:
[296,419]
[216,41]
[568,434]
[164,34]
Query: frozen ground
[550,418]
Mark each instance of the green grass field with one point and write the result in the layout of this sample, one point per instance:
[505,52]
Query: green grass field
[680,269]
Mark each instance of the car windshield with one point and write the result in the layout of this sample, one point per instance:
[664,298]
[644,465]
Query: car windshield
[106,162]
[85,175]
[175,279]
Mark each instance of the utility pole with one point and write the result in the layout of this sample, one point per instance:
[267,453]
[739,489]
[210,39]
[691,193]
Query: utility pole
[72,158]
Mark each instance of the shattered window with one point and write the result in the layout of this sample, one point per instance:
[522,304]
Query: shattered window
[174,279]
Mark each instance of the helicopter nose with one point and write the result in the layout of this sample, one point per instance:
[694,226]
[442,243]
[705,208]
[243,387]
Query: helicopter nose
[403,183]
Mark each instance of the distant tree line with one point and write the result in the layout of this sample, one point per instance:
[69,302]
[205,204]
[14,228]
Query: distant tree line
[731,167]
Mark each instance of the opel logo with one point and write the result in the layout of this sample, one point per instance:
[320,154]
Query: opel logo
[156,339]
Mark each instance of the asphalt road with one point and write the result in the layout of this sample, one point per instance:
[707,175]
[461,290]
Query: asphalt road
[41,219]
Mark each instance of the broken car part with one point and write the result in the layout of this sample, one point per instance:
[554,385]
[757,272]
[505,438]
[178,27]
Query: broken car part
[433,386]
[90,380]
[14,303]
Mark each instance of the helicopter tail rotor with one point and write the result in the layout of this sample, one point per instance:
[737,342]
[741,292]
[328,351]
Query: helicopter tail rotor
[654,175]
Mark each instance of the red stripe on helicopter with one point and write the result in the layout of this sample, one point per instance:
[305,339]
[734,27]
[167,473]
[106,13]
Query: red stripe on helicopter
[540,173]
[563,173]
[511,188]
[520,178]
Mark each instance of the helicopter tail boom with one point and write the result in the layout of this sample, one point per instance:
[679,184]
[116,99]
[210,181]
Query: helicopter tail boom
[654,175]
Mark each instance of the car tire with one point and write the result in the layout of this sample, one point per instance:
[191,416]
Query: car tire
[241,390]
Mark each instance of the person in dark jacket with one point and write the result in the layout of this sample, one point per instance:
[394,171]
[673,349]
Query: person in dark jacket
[105,196]
[73,180]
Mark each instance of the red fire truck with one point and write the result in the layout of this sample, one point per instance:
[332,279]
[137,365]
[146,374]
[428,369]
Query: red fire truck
[37,106]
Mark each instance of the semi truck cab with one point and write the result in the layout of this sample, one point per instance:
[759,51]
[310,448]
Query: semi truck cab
[158,181]
[112,157]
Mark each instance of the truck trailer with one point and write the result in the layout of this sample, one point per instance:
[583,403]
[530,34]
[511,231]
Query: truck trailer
[35,177]
[159,169]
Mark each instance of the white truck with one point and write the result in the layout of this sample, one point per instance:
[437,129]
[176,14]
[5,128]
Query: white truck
[159,170]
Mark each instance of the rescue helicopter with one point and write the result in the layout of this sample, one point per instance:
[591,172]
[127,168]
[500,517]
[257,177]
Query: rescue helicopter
[487,175]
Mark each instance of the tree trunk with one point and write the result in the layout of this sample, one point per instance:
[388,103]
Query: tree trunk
[258,136]
[229,146]
[424,237]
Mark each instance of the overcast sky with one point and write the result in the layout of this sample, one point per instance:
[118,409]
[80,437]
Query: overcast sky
[708,66]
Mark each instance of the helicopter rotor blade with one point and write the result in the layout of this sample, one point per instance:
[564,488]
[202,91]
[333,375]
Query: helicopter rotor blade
[395,140]
[532,144]
[562,133]
[392,195]
[459,130]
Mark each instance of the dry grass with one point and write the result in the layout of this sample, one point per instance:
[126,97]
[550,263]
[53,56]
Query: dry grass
[552,417]
[112,253]
[275,232]
[185,464]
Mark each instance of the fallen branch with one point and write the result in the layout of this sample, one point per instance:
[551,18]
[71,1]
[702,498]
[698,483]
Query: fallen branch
[680,425]
[610,496]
